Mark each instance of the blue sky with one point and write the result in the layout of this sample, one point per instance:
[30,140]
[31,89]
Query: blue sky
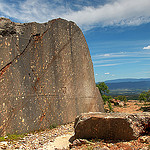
[117,31]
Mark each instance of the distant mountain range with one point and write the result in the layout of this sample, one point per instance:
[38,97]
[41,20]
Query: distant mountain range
[129,86]
[143,84]
[127,80]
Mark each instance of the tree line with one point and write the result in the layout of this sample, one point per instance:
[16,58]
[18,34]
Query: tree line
[144,96]
[104,90]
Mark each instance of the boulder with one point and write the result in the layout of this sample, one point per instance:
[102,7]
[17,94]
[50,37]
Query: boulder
[112,126]
[46,75]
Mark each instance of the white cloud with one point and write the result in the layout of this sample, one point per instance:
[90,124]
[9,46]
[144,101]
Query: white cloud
[121,12]
[35,10]
[107,65]
[140,54]
[116,12]
[102,61]
[115,59]
[109,55]
[96,74]
[107,73]
[148,47]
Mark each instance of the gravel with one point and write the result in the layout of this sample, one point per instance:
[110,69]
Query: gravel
[39,140]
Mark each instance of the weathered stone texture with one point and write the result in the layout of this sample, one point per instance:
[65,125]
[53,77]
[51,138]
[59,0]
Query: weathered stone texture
[46,75]
[112,126]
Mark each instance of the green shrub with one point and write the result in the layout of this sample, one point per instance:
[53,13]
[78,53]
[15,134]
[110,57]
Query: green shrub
[53,126]
[12,137]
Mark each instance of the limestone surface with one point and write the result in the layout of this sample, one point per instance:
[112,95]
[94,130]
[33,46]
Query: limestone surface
[46,75]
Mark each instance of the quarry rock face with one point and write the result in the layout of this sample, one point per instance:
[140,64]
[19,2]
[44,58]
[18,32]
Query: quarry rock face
[112,126]
[46,75]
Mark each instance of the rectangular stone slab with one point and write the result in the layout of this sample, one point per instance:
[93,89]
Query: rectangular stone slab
[112,126]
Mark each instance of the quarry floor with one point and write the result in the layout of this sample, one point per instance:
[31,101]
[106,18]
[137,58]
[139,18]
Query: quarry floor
[58,138]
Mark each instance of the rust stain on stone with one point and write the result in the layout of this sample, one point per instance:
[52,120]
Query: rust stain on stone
[42,117]
[3,70]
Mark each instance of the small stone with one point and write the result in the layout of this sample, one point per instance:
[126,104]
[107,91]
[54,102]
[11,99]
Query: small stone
[121,104]
[3,145]
[17,147]
[77,142]
[84,141]
[110,145]
[6,137]
[104,148]
[144,148]
[97,148]
[144,139]
[52,140]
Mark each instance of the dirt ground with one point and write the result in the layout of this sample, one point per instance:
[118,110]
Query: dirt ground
[132,106]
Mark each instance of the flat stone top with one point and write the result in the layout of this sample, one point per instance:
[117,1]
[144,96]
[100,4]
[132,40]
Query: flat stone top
[111,115]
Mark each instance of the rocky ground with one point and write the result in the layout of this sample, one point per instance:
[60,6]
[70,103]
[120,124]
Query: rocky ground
[58,138]
[132,106]
[43,140]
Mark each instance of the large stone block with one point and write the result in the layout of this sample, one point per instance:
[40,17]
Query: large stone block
[46,75]
[112,126]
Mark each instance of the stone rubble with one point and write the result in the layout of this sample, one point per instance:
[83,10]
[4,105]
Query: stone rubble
[79,142]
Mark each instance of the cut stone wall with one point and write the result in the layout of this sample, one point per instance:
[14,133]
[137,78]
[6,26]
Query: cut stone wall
[46,75]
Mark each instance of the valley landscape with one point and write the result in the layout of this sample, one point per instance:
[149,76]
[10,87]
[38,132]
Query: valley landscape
[128,86]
